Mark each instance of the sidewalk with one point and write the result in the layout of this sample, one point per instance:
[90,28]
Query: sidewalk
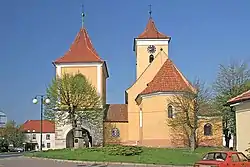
[113,164]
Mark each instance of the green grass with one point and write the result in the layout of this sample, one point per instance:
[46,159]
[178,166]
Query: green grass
[148,156]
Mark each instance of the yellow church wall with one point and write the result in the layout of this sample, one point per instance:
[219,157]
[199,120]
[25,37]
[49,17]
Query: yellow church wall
[155,131]
[137,88]
[142,57]
[91,73]
[216,139]
[103,87]
[123,130]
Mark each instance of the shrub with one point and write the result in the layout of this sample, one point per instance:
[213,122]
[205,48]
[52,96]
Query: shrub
[122,150]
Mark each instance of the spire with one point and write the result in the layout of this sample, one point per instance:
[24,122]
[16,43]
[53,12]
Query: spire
[150,11]
[83,16]
[81,50]
[151,32]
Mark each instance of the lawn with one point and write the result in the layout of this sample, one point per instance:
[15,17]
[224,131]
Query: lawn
[146,155]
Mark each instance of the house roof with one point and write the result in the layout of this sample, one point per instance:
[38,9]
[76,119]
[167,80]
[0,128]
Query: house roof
[151,32]
[34,125]
[242,97]
[116,113]
[167,79]
[81,50]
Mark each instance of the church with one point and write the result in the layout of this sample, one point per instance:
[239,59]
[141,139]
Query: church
[143,119]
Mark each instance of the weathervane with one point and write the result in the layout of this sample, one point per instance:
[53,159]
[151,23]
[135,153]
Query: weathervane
[83,15]
[150,10]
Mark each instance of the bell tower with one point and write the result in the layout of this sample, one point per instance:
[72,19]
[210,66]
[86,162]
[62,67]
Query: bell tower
[148,44]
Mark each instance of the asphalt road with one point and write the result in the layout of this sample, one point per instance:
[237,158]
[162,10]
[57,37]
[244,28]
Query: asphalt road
[10,155]
[17,160]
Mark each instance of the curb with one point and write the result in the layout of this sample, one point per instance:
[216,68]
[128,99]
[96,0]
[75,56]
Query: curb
[108,163]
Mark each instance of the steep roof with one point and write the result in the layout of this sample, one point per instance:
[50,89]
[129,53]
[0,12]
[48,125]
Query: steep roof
[116,113]
[34,125]
[168,79]
[242,97]
[81,50]
[151,32]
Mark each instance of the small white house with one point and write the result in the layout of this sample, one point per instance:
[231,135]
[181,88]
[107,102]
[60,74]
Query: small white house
[241,103]
[32,129]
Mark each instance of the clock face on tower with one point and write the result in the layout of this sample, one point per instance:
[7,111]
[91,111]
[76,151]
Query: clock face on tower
[151,49]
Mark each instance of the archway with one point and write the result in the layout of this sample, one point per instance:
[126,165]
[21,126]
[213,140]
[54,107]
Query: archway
[69,139]
[87,138]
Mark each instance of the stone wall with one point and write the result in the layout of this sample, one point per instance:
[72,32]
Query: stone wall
[96,131]
[95,128]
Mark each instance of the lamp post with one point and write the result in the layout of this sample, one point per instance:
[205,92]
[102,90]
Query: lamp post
[42,101]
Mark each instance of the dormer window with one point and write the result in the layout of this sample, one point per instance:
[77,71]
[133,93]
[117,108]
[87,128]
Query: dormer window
[151,58]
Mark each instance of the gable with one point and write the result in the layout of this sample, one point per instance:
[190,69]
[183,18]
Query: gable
[149,73]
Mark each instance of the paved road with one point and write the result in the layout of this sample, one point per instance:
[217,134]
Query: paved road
[20,161]
[10,155]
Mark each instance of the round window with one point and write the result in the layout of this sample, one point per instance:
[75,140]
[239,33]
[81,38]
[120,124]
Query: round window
[115,132]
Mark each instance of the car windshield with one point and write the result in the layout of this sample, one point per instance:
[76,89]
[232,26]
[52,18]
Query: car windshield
[215,156]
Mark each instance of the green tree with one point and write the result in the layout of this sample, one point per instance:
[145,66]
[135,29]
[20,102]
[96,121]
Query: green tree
[232,80]
[188,107]
[12,134]
[73,98]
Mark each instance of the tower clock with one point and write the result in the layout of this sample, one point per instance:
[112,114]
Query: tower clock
[151,49]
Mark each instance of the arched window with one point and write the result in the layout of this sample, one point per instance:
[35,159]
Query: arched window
[208,129]
[151,58]
[170,111]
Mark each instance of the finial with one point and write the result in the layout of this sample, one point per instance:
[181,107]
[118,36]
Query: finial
[150,11]
[82,15]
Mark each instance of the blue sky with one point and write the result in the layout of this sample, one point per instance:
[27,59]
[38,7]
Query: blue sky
[34,33]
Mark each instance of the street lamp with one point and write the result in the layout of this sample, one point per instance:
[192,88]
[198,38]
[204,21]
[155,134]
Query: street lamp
[42,102]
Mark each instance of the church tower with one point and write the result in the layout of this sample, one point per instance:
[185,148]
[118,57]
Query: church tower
[83,58]
[147,45]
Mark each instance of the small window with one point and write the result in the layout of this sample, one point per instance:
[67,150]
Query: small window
[208,129]
[34,136]
[43,145]
[151,58]
[48,137]
[48,145]
[170,112]
[235,158]
[115,132]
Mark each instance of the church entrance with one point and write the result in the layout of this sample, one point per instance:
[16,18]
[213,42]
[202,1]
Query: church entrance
[87,139]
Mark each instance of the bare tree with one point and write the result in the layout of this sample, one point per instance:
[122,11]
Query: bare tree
[189,105]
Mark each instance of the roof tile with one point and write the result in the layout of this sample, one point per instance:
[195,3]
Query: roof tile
[152,32]
[80,51]
[34,125]
[242,97]
[116,113]
[168,78]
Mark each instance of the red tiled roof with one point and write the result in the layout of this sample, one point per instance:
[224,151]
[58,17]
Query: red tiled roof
[168,78]
[152,32]
[116,113]
[48,126]
[80,51]
[242,97]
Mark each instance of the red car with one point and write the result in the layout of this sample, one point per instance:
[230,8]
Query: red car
[223,159]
